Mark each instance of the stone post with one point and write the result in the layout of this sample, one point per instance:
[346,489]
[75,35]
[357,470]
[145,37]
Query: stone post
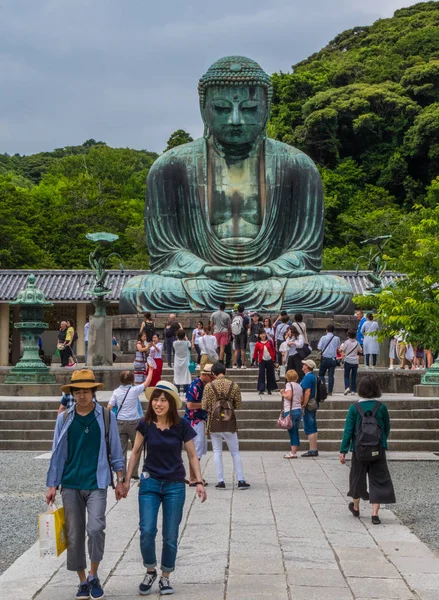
[81,312]
[4,335]
[100,350]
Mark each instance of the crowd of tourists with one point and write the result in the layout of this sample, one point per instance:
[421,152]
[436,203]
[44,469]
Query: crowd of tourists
[90,446]
[90,453]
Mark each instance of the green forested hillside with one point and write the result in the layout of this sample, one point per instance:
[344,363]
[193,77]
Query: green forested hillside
[365,108]
[49,201]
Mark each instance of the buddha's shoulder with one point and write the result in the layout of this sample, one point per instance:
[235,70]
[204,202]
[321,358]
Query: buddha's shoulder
[179,154]
[289,154]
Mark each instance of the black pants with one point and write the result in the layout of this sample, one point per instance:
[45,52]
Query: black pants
[295,362]
[278,352]
[227,355]
[197,350]
[64,356]
[266,366]
[170,349]
[380,483]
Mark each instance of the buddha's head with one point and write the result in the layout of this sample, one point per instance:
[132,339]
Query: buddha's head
[235,96]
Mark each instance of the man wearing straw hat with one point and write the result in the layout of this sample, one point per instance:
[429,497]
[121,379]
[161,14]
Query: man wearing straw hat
[86,449]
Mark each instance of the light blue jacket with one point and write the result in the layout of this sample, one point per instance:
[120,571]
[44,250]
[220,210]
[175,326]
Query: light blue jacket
[60,449]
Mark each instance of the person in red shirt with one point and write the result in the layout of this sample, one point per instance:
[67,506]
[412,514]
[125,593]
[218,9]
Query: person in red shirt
[265,355]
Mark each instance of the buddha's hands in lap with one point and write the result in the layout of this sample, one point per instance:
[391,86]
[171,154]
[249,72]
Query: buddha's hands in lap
[237,274]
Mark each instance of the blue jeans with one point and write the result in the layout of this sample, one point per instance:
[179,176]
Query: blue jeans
[296,416]
[310,422]
[350,376]
[327,364]
[152,493]
[374,359]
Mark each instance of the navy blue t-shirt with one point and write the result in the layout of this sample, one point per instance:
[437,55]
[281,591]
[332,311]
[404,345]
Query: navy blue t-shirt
[163,449]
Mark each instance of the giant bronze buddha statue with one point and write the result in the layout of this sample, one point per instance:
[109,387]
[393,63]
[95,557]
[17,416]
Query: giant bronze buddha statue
[235,216]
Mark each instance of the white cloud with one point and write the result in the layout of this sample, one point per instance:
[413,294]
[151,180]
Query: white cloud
[126,72]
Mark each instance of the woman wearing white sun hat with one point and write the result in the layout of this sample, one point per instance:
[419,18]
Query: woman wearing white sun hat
[162,432]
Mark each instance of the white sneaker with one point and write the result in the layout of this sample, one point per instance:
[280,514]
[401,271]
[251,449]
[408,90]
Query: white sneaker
[353,393]
[235,366]
[243,367]
[346,392]
[391,368]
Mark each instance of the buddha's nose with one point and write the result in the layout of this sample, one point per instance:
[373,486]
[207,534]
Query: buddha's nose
[236,118]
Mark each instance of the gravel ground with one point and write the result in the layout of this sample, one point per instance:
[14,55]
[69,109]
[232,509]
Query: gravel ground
[22,491]
[23,499]
[416,489]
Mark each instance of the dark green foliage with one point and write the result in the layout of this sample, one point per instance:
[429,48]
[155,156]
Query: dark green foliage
[366,109]
[178,138]
[96,188]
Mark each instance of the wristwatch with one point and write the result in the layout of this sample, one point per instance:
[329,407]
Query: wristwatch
[120,479]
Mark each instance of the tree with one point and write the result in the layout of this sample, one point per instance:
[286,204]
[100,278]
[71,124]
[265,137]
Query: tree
[413,303]
[178,138]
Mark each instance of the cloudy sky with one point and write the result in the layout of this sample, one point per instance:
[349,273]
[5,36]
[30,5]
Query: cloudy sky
[126,71]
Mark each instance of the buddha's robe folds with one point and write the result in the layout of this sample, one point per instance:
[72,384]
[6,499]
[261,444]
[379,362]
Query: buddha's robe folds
[182,244]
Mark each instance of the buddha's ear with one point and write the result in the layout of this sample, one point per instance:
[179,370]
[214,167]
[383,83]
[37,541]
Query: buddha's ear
[206,133]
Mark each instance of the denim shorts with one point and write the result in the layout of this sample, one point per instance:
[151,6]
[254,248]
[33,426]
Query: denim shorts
[309,422]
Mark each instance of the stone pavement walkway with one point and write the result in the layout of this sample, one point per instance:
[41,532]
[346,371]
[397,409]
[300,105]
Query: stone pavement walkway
[289,537]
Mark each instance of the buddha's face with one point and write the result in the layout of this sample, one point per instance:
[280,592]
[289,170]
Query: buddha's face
[235,115]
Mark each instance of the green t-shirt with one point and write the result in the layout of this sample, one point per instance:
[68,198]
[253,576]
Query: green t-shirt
[83,453]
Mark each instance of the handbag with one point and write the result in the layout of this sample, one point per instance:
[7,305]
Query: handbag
[60,346]
[312,405]
[306,349]
[285,422]
[52,532]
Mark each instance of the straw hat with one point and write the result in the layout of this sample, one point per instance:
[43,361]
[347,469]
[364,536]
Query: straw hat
[207,370]
[165,386]
[84,379]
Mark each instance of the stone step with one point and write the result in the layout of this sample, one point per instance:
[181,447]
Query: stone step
[245,422]
[337,402]
[281,445]
[269,414]
[244,433]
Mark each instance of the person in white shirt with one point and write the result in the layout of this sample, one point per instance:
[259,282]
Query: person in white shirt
[208,346]
[328,346]
[301,326]
[196,333]
[350,349]
[129,411]
[86,329]
[293,398]
[295,340]
[371,346]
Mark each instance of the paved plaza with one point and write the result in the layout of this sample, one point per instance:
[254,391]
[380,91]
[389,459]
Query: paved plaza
[290,537]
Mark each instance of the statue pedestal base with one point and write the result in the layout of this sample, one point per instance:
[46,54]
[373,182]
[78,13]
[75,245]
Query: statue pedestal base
[426,391]
[100,350]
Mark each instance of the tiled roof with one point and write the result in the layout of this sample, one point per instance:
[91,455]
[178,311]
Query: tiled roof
[72,286]
[60,285]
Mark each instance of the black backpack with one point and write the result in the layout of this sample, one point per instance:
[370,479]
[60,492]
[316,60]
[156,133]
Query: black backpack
[321,391]
[368,436]
[149,330]
[75,337]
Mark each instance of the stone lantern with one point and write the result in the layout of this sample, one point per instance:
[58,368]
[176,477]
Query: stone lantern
[30,368]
